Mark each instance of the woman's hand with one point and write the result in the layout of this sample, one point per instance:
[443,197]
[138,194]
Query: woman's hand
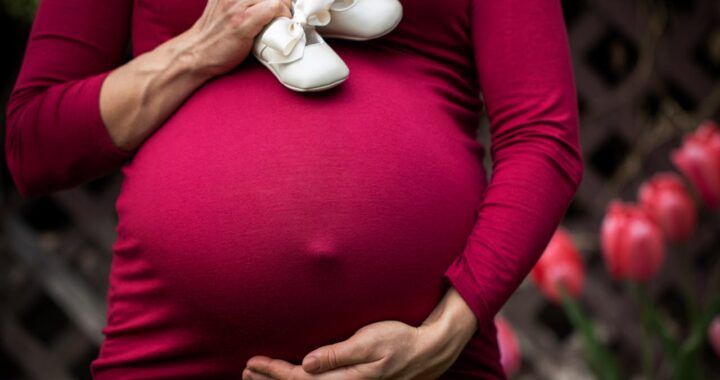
[223,35]
[383,350]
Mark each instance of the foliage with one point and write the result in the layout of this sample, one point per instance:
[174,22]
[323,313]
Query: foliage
[21,9]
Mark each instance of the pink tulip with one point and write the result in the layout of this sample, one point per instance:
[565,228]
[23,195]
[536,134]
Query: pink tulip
[699,160]
[510,356]
[632,243]
[714,335]
[559,264]
[668,202]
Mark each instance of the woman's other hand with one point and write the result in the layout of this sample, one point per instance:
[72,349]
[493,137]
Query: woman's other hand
[383,350]
[223,35]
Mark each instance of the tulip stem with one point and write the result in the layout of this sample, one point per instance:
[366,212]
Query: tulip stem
[655,322]
[688,286]
[600,358]
[647,345]
[690,350]
[652,323]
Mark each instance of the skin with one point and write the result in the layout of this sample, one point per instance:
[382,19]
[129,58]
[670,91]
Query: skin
[135,100]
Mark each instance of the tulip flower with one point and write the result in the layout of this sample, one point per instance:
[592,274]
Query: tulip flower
[632,242]
[510,356]
[559,264]
[699,160]
[714,335]
[668,202]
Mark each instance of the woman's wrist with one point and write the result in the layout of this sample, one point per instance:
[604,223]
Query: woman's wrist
[453,315]
[446,331]
[185,52]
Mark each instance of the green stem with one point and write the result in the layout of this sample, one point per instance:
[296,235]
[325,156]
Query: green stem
[647,346]
[700,326]
[654,321]
[600,358]
[688,286]
[689,367]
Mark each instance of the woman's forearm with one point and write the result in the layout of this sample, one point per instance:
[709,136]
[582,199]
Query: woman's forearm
[138,96]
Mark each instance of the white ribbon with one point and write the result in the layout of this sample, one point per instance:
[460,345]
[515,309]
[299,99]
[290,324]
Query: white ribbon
[285,38]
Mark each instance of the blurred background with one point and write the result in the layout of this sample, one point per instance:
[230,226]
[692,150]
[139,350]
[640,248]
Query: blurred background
[647,74]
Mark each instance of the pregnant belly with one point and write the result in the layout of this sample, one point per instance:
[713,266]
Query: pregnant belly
[273,223]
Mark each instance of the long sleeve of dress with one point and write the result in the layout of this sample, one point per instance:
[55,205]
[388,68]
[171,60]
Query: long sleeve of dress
[525,74]
[55,136]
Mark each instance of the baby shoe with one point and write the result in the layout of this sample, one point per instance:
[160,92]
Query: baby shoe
[362,19]
[296,54]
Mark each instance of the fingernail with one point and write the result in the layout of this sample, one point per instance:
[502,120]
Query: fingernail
[312,363]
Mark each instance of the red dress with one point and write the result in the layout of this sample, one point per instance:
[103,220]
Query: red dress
[258,220]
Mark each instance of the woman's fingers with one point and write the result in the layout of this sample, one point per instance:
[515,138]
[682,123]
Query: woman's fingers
[267,10]
[253,14]
[249,374]
[274,368]
[224,34]
[359,348]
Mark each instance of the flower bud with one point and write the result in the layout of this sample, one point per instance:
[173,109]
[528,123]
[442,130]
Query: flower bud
[510,356]
[699,160]
[560,264]
[714,335]
[631,242]
[668,202]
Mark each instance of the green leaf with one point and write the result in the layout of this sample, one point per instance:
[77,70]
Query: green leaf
[601,360]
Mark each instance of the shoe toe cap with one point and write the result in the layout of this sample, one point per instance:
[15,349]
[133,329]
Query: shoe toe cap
[319,67]
[367,19]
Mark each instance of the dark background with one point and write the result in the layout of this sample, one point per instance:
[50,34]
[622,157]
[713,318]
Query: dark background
[647,72]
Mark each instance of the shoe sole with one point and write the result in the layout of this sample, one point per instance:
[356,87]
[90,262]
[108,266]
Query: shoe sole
[344,37]
[300,89]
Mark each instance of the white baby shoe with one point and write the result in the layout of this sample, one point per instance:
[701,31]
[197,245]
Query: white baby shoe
[296,54]
[362,19]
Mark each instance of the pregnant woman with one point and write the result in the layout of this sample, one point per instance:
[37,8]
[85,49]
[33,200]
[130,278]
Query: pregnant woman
[258,222]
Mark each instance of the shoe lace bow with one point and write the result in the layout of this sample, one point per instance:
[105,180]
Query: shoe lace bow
[285,38]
